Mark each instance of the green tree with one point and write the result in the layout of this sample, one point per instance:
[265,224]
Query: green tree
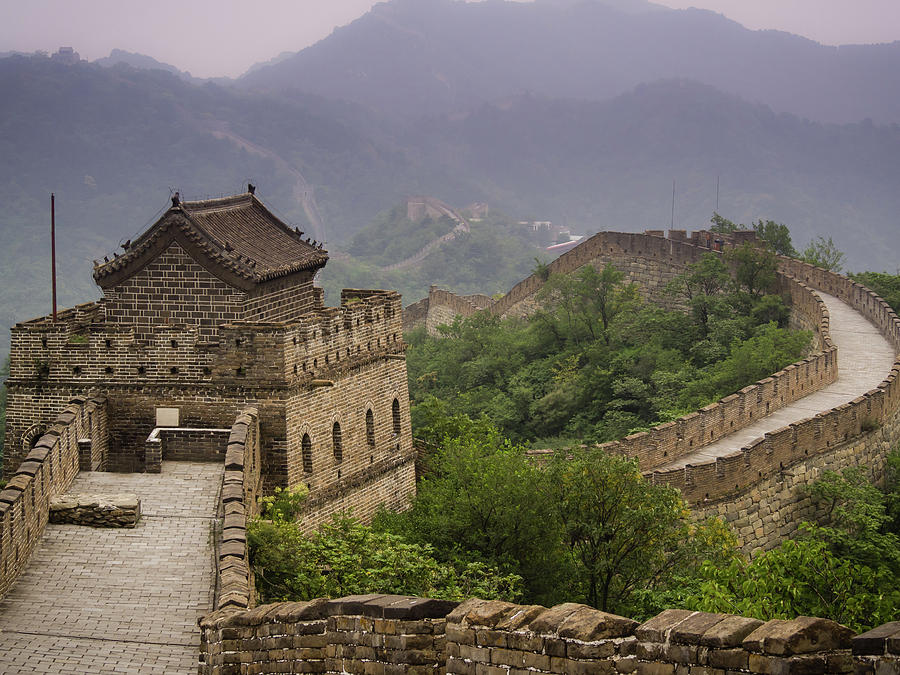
[481,500]
[844,566]
[723,225]
[622,532]
[822,252]
[854,520]
[885,285]
[754,268]
[775,236]
[345,557]
[703,283]
[581,306]
[799,578]
[892,491]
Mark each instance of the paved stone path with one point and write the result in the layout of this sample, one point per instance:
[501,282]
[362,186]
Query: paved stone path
[865,358]
[119,600]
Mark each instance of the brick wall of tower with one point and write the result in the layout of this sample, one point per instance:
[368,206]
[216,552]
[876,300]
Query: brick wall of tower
[343,363]
[284,299]
[173,289]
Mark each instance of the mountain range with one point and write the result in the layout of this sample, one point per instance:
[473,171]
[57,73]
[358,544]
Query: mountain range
[422,57]
[579,112]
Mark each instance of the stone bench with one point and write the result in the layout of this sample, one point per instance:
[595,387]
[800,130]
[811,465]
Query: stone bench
[97,510]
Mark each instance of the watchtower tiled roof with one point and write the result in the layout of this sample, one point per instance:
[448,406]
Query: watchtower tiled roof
[237,238]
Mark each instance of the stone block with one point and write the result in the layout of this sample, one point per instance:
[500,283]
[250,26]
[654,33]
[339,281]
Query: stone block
[875,641]
[549,621]
[555,646]
[507,657]
[657,629]
[465,636]
[417,608]
[732,659]
[798,636]
[596,650]
[691,630]
[591,624]
[521,617]
[489,613]
[679,653]
[729,632]
[291,612]
[837,662]
[459,667]
[655,668]
[490,638]
[534,661]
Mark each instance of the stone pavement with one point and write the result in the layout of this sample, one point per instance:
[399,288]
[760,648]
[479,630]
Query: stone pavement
[865,359]
[119,600]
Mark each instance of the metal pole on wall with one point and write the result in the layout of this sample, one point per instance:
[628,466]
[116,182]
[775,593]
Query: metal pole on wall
[53,248]
[672,224]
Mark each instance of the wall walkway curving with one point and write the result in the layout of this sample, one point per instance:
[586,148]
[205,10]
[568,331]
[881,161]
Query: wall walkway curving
[723,458]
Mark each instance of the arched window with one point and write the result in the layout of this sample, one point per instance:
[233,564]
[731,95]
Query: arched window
[370,428]
[337,443]
[395,414]
[306,448]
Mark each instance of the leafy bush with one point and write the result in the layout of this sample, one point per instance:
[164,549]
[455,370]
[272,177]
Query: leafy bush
[347,558]
[284,505]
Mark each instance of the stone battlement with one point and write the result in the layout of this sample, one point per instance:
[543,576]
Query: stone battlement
[394,634]
[83,350]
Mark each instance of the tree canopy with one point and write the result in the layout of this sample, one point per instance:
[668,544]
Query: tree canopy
[596,362]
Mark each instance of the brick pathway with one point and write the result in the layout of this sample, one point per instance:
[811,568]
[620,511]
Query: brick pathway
[119,600]
[865,358]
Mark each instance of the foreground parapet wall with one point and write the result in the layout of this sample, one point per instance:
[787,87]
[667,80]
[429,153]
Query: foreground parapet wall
[356,634]
[78,434]
[399,634]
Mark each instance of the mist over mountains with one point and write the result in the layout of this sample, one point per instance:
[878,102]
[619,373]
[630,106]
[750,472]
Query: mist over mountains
[419,57]
[578,112]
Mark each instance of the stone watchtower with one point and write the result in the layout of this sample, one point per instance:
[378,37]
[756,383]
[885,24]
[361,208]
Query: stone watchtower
[212,309]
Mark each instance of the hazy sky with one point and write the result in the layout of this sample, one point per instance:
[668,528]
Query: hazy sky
[225,37]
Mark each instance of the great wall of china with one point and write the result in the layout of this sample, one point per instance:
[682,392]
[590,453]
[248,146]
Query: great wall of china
[754,487]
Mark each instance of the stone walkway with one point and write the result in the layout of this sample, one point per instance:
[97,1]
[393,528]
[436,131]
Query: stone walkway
[865,358]
[119,600]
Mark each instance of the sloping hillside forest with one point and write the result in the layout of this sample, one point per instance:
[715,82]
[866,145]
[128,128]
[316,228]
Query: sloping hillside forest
[490,258]
[594,363]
